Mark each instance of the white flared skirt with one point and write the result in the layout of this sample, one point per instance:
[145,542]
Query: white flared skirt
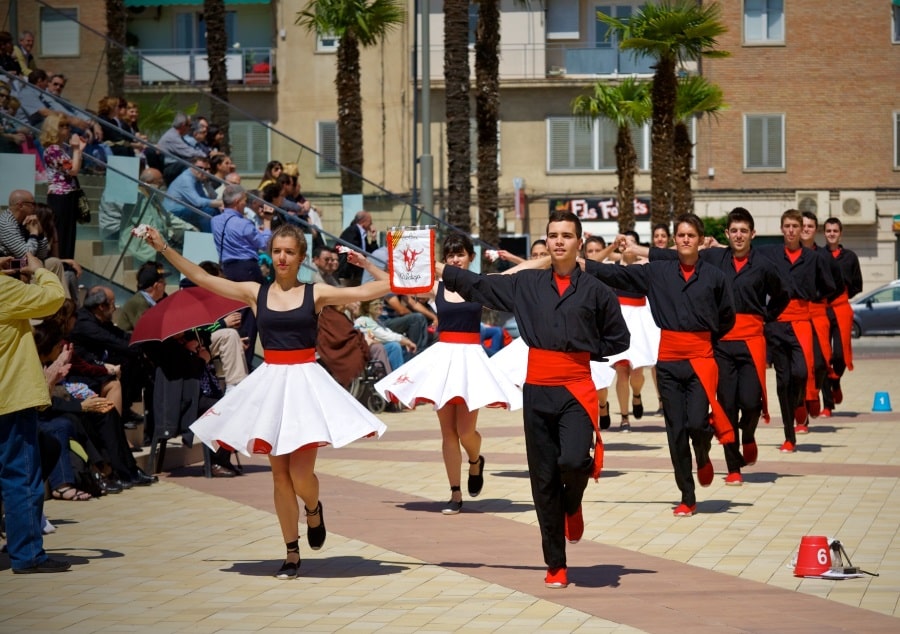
[512,361]
[444,372]
[283,408]
[644,348]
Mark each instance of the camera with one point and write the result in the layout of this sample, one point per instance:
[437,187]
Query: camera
[18,263]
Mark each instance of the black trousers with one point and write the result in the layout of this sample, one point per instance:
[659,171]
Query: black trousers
[108,434]
[790,372]
[559,434]
[740,394]
[838,362]
[686,410]
[245,271]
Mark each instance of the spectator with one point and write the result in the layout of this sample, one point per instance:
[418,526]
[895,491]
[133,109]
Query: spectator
[326,261]
[23,52]
[188,198]
[406,315]
[221,168]
[63,162]
[12,135]
[197,136]
[173,147]
[238,243]
[7,58]
[273,171]
[39,104]
[132,114]
[117,134]
[151,284]
[24,389]
[362,235]
[394,342]
[21,232]
[68,270]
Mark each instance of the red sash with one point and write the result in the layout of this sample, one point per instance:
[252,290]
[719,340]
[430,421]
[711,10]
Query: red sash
[844,315]
[818,312]
[571,370]
[459,337]
[632,301]
[749,329]
[290,357]
[696,347]
[797,313]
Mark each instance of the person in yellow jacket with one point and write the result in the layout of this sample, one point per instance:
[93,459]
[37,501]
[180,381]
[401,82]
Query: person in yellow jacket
[23,390]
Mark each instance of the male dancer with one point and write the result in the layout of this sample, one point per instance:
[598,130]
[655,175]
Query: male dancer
[567,318]
[759,293]
[692,303]
[790,337]
[818,313]
[840,315]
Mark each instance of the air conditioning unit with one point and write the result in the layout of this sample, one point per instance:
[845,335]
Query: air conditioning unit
[817,202]
[857,208]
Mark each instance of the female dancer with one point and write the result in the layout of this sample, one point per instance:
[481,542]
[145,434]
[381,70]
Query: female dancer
[456,376]
[263,413]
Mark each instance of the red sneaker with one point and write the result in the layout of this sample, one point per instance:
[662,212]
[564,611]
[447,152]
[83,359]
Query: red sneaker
[705,474]
[801,429]
[788,447]
[734,479]
[814,407]
[750,453]
[683,510]
[837,395]
[574,526]
[826,413]
[556,578]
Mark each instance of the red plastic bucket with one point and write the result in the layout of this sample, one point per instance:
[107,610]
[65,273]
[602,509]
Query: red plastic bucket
[814,556]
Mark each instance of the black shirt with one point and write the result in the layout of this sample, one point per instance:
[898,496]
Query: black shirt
[848,262]
[586,318]
[810,274]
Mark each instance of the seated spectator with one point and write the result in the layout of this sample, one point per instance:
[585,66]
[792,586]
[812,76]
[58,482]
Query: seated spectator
[188,199]
[151,287]
[222,169]
[12,135]
[407,316]
[8,61]
[196,138]
[149,210]
[394,343]
[173,147]
[38,104]
[271,174]
[326,261]
[111,112]
[70,268]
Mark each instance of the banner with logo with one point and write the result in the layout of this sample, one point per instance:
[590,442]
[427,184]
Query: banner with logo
[411,259]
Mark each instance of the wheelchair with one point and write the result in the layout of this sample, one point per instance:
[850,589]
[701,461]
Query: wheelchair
[363,387]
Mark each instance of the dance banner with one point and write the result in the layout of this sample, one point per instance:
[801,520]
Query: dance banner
[411,259]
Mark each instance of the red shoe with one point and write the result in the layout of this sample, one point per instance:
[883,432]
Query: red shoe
[683,510]
[814,407]
[750,453]
[705,474]
[826,413]
[556,578]
[801,429]
[837,395]
[734,479]
[574,526]
[800,415]
[788,447]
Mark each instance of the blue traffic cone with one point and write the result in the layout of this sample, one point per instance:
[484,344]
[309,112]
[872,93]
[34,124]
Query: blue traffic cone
[882,402]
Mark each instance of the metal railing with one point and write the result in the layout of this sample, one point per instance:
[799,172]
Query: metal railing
[247,66]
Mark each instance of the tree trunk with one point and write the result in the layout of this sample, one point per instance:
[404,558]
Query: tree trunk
[662,134]
[683,198]
[626,166]
[350,118]
[115,58]
[216,45]
[487,113]
[456,76]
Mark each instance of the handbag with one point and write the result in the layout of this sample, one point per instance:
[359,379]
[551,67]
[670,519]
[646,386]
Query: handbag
[84,207]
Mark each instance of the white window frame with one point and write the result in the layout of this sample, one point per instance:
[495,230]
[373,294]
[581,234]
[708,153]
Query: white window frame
[60,37]
[770,119]
[326,43]
[768,10]
[581,125]
[324,168]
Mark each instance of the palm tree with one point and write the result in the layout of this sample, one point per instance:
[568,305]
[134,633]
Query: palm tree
[696,96]
[456,106]
[115,61]
[626,104]
[672,32]
[355,23]
[216,45]
[487,109]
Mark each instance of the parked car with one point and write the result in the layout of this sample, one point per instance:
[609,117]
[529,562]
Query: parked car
[877,312]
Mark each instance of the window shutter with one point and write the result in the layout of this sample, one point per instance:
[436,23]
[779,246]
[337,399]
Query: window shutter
[329,154]
[249,146]
[59,33]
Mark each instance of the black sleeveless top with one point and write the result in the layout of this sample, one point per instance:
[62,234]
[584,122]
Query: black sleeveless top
[287,329]
[457,316]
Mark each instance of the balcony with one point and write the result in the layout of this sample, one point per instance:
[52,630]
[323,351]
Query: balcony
[526,62]
[250,67]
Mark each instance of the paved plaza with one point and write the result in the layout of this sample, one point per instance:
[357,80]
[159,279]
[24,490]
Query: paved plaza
[197,555]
